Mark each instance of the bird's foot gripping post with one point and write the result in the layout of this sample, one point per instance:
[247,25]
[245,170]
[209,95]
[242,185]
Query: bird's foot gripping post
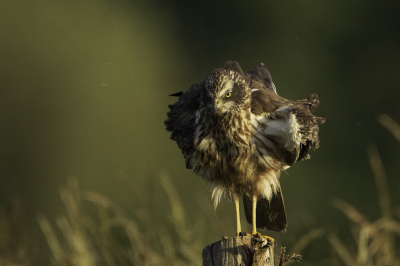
[258,235]
[244,250]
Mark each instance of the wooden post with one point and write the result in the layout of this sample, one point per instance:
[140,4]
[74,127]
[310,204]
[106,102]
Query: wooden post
[242,250]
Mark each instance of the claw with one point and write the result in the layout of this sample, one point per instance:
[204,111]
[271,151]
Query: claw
[258,235]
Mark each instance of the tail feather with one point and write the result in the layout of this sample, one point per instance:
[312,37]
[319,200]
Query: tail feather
[270,215]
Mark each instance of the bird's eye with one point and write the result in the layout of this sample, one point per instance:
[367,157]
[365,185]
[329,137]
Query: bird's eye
[228,95]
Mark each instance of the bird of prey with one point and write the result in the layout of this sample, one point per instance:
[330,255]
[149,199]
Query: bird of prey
[238,134]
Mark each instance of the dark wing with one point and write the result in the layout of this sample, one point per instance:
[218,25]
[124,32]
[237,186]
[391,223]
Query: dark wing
[177,94]
[233,65]
[181,118]
[270,215]
[260,78]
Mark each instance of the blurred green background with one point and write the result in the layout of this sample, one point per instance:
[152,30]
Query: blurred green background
[84,92]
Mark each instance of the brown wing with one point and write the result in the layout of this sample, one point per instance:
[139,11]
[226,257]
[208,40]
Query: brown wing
[234,65]
[260,78]
[266,100]
[264,96]
[303,109]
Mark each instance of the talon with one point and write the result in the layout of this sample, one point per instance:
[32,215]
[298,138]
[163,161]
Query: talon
[258,235]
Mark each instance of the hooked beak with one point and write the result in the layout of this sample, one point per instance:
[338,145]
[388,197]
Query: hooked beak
[215,105]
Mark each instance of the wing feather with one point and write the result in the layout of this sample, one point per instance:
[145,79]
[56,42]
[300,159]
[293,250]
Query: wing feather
[234,65]
[181,118]
[260,78]
[289,126]
[270,214]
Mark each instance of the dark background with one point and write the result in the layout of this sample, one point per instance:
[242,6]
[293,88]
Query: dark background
[84,85]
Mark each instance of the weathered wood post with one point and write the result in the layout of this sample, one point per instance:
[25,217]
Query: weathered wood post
[241,250]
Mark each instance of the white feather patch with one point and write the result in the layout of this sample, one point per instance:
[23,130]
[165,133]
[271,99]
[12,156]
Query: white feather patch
[217,193]
[197,117]
[273,86]
[264,186]
[285,127]
[205,143]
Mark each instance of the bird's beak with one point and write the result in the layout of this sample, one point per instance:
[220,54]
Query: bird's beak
[215,106]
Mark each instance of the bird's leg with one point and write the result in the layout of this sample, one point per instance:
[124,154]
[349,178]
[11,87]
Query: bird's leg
[254,224]
[238,226]
[254,229]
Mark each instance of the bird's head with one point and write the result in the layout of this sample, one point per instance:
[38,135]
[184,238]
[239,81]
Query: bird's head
[226,91]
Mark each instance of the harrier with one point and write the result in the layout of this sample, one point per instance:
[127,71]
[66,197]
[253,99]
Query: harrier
[238,134]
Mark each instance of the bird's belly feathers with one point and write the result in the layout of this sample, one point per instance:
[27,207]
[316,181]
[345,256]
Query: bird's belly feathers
[246,160]
[241,175]
[234,170]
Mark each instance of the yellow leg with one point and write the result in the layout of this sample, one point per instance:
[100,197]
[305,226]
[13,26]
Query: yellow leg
[254,229]
[238,226]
